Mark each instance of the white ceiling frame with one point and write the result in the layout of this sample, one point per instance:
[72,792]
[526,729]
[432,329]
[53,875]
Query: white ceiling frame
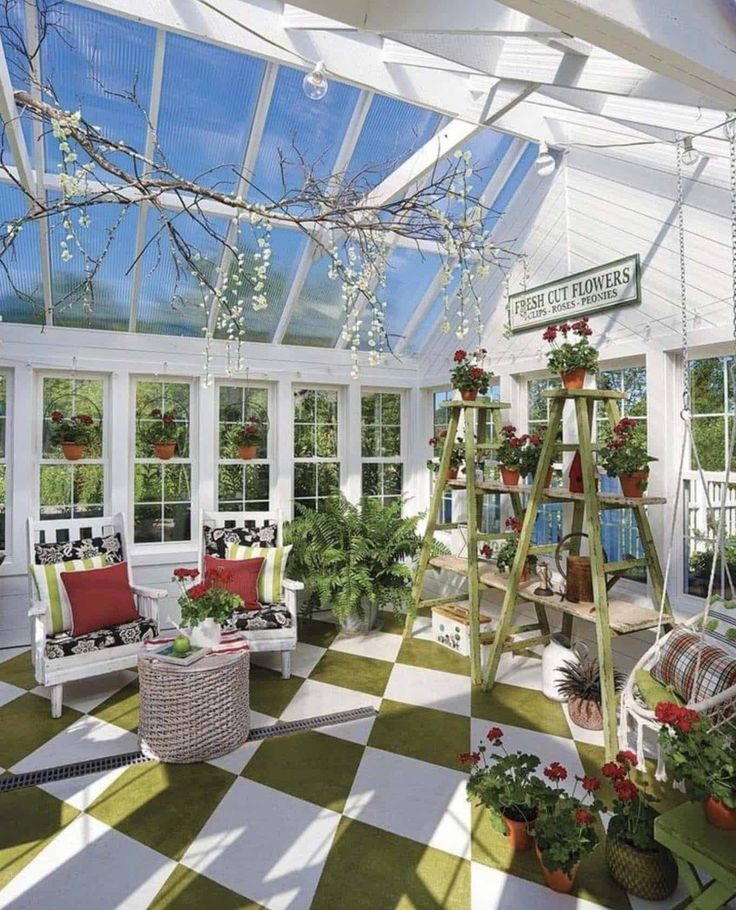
[13,129]
[248,165]
[157,78]
[311,250]
[32,40]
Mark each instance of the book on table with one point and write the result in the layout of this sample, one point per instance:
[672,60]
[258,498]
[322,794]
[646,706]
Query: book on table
[170,655]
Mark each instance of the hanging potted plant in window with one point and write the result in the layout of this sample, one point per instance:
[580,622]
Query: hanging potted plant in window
[163,432]
[248,436]
[457,455]
[468,375]
[507,551]
[572,360]
[624,455]
[72,435]
[509,455]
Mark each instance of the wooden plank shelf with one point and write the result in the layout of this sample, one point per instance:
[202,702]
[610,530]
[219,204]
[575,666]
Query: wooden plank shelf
[606,501]
[478,403]
[594,394]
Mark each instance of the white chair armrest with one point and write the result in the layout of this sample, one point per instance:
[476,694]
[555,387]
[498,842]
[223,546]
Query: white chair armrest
[152,593]
[290,585]
[148,599]
[37,608]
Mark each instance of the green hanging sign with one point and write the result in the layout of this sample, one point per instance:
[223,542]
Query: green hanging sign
[601,288]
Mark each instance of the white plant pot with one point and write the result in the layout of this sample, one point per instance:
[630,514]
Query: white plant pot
[206,634]
[555,654]
[355,623]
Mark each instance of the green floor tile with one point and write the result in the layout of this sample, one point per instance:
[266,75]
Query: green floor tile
[29,819]
[520,707]
[432,736]
[269,692]
[163,806]
[121,708]
[370,869]
[311,766]
[364,674]
[316,632]
[26,723]
[186,890]
[18,671]
[391,621]
[418,652]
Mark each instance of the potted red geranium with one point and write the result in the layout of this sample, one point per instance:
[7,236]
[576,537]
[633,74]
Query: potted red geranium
[510,455]
[72,434]
[469,376]
[206,606]
[163,432]
[247,436]
[624,455]
[457,455]
[572,360]
[507,551]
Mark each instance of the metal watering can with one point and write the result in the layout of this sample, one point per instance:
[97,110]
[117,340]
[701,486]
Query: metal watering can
[579,576]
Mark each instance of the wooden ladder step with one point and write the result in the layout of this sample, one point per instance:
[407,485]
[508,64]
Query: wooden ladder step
[623,565]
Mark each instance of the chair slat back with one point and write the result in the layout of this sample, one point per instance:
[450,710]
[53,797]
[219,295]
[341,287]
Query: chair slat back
[65,530]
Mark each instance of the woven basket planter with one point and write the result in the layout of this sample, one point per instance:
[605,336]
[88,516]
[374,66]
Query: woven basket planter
[194,713]
[651,876]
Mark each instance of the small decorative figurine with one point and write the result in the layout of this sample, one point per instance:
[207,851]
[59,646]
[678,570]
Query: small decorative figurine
[545,589]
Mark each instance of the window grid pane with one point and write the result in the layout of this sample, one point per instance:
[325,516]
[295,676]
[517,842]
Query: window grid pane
[243,484]
[382,469]
[316,445]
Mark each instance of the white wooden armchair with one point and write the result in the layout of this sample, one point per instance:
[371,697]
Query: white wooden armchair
[60,658]
[273,628]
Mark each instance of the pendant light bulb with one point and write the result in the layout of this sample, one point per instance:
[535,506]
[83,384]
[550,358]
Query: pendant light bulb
[690,156]
[545,163]
[315,83]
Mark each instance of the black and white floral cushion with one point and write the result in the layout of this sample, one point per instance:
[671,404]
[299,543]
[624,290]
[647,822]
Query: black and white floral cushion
[129,633]
[48,554]
[218,540]
[270,616]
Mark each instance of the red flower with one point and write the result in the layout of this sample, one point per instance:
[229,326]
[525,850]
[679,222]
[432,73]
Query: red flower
[197,591]
[185,573]
[469,758]
[614,771]
[591,784]
[495,735]
[555,771]
[627,757]
[508,430]
[167,419]
[516,442]
[583,817]
[485,551]
[57,416]
[674,715]
[564,328]
[156,412]
[550,333]
[513,523]
[477,373]
[535,440]
[626,790]
[459,356]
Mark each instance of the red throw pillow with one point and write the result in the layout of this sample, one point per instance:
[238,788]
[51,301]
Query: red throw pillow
[99,598]
[243,577]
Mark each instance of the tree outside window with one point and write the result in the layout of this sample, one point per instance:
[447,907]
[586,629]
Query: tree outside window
[242,486]
[316,434]
[382,469]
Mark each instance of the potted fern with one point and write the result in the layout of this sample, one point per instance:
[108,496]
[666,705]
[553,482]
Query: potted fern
[581,686]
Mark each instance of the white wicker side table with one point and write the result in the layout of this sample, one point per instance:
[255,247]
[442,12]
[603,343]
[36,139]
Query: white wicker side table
[191,714]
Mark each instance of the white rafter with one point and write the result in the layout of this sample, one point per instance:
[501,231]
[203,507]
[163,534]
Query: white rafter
[13,130]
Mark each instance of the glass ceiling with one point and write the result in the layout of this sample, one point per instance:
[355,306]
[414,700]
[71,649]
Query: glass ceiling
[207,102]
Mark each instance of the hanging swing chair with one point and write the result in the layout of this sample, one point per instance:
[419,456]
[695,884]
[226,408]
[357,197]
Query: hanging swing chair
[696,660]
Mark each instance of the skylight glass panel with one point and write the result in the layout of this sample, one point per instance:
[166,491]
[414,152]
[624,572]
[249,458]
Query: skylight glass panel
[297,128]
[95,62]
[502,201]
[408,277]
[393,130]
[108,307]
[208,99]
[22,262]
[319,314]
[170,301]
[487,149]
[287,248]
[425,327]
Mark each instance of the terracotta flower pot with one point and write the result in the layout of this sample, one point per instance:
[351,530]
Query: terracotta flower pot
[468,394]
[73,451]
[164,450]
[247,452]
[517,832]
[509,476]
[649,875]
[585,713]
[719,814]
[557,880]
[634,485]
[452,473]
[526,573]
[574,379]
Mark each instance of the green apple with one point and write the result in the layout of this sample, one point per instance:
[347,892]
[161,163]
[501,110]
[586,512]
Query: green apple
[182,645]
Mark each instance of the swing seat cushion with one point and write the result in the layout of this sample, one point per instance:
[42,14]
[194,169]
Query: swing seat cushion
[678,662]
[652,692]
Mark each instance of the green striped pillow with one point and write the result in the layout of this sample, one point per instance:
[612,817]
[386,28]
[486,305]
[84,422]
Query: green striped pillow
[271,577]
[50,589]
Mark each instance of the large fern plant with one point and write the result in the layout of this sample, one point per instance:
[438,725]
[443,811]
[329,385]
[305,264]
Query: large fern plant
[346,554]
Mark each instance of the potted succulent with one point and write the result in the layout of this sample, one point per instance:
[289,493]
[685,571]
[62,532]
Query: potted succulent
[581,686]
[162,430]
[457,455]
[469,376]
[247,436]
[509,455]
[506,553]
[207,606]
[565,829]
[505,783]
[703,757]
[72,434]
[624,455]
[571,359]
[635,860]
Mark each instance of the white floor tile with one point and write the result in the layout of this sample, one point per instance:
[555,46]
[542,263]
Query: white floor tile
[422,628]
[89,865]
[379,645]
[412,798]
[315,698]
[429,689]
[304,658]
[237,760]
[86,694]
[265,845]
[518,671]
[9,693]
[8,653]
[492,889]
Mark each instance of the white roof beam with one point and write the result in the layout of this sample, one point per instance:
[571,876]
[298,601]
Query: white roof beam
[13,130]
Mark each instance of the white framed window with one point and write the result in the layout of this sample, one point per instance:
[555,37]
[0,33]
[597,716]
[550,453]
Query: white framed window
[162,487]
[316,445]
[382,468]
[243,485]
[71,483]
[4,478]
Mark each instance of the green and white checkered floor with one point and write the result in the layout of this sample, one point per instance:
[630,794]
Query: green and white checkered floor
[369,814]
